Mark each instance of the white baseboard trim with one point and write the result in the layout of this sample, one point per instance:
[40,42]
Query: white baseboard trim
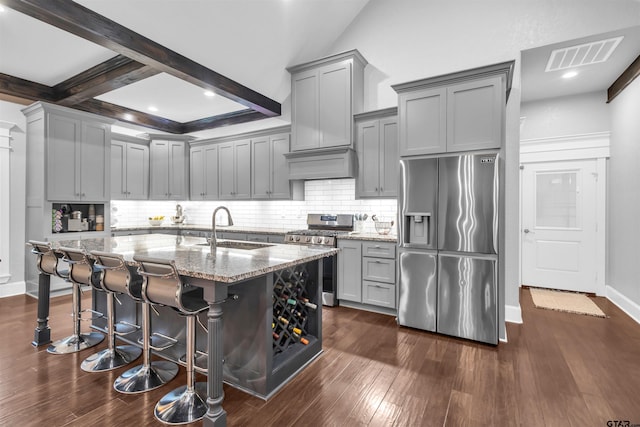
[624,303]
[512,313]
[11,289]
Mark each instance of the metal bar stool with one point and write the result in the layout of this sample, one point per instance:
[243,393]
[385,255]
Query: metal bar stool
[85,271]
[149,375]
[162,285]
[77,275]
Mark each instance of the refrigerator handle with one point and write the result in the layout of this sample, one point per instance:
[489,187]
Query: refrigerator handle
[496,201]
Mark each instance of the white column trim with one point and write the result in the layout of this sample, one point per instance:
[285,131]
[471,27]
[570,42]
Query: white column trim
[5,201]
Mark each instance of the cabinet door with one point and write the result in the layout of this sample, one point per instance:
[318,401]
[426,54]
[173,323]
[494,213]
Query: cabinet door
[334,104]
[260,168]
[350,270]
[137,172]
[177,171]
[196,171]
[94,162]
[368,149]
[211,172]
[475,115]
[63,180]
[242,170]
[225,171]
[304,111]
[423,123]
[159,167]
[118,173]
[280,185]
[389,160]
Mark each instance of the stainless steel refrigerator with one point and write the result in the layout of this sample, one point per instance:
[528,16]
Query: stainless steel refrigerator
[448,251]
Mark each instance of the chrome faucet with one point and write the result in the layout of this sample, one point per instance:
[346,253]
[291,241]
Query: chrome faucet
[212,240]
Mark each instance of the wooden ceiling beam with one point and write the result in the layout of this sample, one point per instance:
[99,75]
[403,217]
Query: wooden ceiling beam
[624,80]
[26,89]
[112,74]
[117,112]
[227,119]
[76,19]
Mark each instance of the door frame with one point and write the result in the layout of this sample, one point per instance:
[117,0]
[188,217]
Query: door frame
[567,148]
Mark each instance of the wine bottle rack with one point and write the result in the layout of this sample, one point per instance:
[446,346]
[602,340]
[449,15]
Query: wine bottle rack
[292,308]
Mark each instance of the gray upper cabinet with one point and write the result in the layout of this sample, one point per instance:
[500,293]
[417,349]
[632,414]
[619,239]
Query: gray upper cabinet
[324,96]
[234,170]
[457,112]
[129,168]
[77,160]
[269,174]
[169,177]
[377,148]
[204,172]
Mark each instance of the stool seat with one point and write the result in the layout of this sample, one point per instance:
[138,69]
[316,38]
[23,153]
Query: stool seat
[163,285]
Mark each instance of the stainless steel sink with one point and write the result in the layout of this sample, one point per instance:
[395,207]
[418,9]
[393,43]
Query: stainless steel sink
[235,244]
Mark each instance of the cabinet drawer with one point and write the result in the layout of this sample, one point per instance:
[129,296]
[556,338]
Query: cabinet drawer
[381,294]
[378,249]
[379,269]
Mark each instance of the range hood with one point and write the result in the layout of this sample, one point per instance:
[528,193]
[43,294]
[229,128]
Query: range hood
[323,163]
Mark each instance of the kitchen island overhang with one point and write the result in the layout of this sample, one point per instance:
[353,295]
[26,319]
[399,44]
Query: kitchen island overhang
[269,297]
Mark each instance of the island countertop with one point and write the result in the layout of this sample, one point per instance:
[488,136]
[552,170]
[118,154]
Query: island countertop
[193,258]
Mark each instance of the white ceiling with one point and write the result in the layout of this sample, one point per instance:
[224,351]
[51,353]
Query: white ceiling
[249,41]
[538,84]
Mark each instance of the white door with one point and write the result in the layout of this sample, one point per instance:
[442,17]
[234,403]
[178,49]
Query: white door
[559,225]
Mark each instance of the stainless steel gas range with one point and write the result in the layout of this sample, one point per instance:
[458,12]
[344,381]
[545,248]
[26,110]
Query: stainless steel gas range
[323,230]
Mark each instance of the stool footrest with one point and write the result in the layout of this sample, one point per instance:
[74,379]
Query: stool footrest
[94,315]
[160,342]
[200,362]
[123,328]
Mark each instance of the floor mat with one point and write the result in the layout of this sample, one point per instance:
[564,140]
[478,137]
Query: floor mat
[569,302]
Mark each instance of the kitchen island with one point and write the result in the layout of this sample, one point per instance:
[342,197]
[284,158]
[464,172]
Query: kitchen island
[247,285]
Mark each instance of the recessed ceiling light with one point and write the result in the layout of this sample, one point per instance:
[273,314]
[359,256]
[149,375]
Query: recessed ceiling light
[209,93]
[128,117]
[152,108]
[569,74]
[2,9]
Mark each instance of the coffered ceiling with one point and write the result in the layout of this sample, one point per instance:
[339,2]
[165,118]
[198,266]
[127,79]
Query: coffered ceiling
[120,59]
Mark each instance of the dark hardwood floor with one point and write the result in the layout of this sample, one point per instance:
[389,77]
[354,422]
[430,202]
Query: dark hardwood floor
[557,369]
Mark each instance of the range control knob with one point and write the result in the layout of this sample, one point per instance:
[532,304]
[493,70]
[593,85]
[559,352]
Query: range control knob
[320,240]
[297,238]
[307,239]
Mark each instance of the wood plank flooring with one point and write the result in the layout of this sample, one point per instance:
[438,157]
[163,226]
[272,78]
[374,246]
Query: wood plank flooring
[557,369]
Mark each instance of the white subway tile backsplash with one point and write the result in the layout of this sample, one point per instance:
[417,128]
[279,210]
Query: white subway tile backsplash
[332,196]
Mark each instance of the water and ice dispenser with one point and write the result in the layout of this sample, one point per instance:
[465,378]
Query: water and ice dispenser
[418,230]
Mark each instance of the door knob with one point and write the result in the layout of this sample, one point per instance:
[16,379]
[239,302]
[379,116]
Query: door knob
[527,231]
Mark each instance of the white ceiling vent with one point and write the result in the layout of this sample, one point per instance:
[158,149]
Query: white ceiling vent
[583,54]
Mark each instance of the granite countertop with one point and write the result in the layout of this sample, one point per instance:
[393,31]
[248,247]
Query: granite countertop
[194,259]
[391,238]
[233,228]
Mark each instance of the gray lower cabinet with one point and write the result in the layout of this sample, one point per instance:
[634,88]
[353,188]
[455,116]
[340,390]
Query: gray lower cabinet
[234,170]
[377,149]
[203,183]
[129,169]
[169,176]
[367,272]
[458,112]
[349,270]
